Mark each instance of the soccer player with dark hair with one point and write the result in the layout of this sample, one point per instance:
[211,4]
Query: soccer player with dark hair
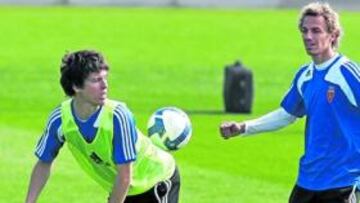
[327,92]
[102,136]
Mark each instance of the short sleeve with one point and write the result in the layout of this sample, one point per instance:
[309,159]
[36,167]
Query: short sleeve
[351,72]
[293,102]
[51,140]
[125,135]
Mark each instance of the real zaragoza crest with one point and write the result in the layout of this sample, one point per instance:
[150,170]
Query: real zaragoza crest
[330,94]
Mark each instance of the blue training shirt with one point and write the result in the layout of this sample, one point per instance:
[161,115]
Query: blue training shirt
[329,97]
[125,135]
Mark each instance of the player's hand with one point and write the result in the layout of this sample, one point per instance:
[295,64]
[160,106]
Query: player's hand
[231,129]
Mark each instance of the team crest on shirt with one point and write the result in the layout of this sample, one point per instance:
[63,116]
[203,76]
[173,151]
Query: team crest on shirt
[330,94]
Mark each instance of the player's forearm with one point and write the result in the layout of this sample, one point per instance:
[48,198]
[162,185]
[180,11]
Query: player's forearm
[121,184]
[272,121]
[120,190]
[39,177]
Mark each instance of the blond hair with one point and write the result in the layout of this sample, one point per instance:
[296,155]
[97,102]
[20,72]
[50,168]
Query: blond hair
[330,16]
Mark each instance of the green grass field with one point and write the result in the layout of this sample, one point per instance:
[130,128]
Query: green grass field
[158,57]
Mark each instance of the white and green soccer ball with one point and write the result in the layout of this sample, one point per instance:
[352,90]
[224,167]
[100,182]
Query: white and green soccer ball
[169,128]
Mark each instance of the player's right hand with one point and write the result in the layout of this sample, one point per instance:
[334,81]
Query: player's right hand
[230,129]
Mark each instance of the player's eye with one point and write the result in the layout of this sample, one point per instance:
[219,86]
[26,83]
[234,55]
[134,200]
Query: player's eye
[94,80]
[303,30]
[316,30]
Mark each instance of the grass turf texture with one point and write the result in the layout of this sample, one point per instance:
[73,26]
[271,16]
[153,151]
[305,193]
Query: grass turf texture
[158,57]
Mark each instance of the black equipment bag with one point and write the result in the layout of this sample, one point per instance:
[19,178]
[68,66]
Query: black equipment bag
[238,89]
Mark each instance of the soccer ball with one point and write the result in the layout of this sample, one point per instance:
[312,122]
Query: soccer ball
[169,128]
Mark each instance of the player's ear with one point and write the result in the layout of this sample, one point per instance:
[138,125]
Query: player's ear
[76,88]
[335,37]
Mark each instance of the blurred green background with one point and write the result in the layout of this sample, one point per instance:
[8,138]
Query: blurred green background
[158,57]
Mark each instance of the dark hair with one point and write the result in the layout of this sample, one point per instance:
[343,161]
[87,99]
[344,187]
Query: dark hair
[76,67]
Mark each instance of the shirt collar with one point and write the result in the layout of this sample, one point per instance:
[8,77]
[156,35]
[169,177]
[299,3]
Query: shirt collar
[326,64]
